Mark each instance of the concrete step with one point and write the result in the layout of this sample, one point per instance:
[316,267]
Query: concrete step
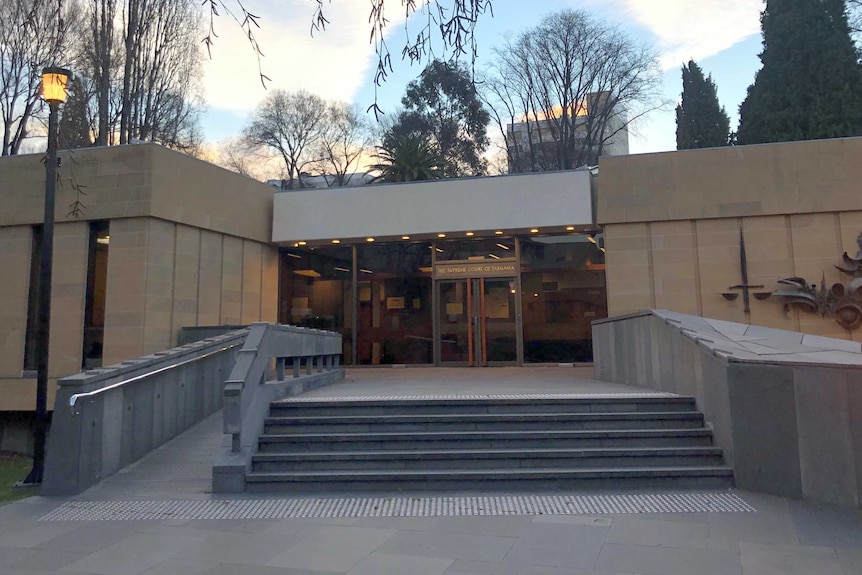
[489,459]
[428,406]
[707,477]
[336,442]
[482,422]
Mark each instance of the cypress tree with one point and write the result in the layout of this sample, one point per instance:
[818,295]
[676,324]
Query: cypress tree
[700,121]
[810,84]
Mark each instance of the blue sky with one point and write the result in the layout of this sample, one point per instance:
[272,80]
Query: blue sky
[722,35]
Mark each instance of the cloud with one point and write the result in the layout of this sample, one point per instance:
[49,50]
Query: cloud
[692,28]
[333,64]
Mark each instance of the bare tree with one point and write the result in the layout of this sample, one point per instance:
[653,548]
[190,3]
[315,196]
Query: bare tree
[290,124]
[237,155]
[854,18]
[29,41]
[344,136]
[564,90]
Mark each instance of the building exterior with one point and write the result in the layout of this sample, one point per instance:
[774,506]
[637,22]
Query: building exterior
[550,142]
[672,224]
[165,241]
[506,270]
[475,271]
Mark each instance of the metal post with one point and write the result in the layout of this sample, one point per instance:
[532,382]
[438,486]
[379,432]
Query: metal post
[44,307]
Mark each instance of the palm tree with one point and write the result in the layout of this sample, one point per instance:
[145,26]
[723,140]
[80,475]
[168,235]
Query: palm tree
[408,158]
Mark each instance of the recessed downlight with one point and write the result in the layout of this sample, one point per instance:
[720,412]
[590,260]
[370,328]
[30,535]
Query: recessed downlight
[405,237]
[498,233]
[468,234]
[369,239]
[336,241]
[570,228]
[301,243]
[534,231]
[441,235]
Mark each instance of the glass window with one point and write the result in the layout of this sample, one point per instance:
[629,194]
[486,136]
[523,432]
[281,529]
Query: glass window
[479,249]
[94,309]
[394,319]
[315,291]
[563,291]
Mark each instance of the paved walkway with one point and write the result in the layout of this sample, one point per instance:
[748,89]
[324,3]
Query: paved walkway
[157,517]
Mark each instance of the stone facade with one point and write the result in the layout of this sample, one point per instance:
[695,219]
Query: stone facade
[671,223]
[189,245]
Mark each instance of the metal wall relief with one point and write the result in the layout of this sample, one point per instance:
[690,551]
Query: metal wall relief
[841,302]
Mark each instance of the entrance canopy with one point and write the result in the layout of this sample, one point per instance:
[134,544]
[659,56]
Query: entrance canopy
[550,201]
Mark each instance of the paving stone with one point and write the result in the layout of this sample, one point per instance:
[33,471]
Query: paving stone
[850,560]
[134,554]
[12,555]
[181,566]
[400,523]
[449,545]
[644,531]
[470,567]
[556,545]
[332,548]
[667,561]
[766,559]
[726,530]
[383,564]
[237,548]
[819,525]
[497,526]
[587,520]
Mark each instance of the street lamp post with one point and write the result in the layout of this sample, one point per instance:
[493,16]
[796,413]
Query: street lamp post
[54,91]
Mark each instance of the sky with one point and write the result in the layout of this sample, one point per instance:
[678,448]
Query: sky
[723,36]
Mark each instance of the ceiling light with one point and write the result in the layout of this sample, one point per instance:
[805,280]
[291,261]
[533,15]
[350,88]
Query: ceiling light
[534,231]
[591,239]
[366,271]
[469,233]
[498,233]
[513,291]
[369,239]
[295,256]
[301,243]
[570,228]
[496,257]
[405,237]
[104,241]
[441,235]
[535,295]
[336,241]
[602,249]
[342,269]
[307,273]
[504,246]
[439,250]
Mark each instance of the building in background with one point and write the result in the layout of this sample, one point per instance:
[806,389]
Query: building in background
[555,141]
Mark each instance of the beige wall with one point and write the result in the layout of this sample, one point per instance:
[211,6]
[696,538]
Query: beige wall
[188,246]
[671,223]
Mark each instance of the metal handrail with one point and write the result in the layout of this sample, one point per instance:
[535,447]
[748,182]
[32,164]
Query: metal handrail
[74,399]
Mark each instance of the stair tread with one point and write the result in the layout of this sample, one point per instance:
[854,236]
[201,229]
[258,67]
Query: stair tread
[291,403]
[376,436]
[413,453]
[433,418]
[710,470]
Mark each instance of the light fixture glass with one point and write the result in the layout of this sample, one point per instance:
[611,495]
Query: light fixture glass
[591,239]
[534,231]
[369,239]
[366,271]
[55,84]
[342,269]
[570,228]
[602,250]
[295,256]
[441,235]
[405,237]
[336,241]
[504,246]
[495,256]
[469,234]
[535,295]
[498,233]
[301,243]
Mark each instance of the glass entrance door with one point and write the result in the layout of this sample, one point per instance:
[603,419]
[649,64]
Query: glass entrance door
[477,322]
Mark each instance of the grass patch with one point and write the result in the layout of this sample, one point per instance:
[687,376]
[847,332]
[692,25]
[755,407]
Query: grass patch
[14,468]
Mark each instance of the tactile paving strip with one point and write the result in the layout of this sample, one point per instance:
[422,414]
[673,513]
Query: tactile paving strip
[304,399]
[401,507]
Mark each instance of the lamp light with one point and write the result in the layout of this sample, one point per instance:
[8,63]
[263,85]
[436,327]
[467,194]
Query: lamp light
[55,84]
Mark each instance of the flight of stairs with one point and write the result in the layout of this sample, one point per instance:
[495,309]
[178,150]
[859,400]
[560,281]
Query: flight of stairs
[540,443]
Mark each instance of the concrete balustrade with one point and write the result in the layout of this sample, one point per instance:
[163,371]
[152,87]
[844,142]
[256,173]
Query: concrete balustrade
[251,388]
[108,418]
[786,407]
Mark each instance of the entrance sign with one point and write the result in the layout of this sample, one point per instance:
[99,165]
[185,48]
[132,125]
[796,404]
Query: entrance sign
[475,270]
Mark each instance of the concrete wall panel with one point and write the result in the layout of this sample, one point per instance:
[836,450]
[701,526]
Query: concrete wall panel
[186,278]
[68,297]
[210,282]
[231,280]
[15,248]
[125,300]
[252,267]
